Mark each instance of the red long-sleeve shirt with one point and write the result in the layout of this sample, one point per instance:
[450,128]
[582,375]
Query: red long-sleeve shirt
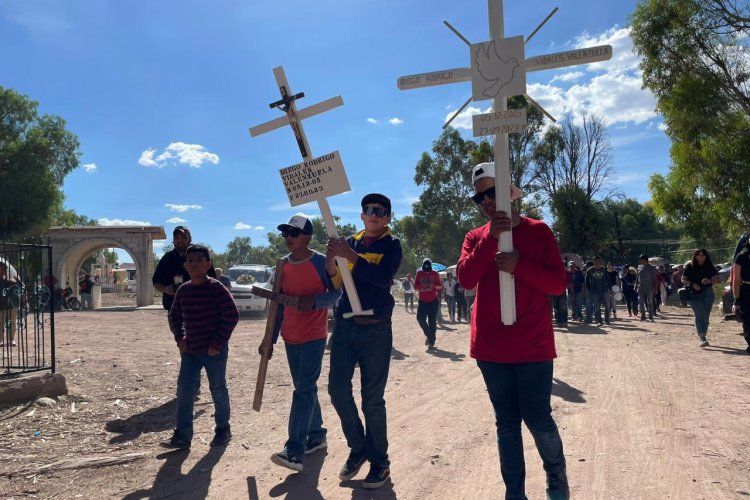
[204,315]
[539,273]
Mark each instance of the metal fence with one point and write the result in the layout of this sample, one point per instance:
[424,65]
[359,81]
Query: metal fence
[28,296]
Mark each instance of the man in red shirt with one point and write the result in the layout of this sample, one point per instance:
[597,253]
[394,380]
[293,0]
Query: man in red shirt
[515,360]
[428,285]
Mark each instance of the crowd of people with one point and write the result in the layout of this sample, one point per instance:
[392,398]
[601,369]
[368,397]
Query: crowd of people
[515,360]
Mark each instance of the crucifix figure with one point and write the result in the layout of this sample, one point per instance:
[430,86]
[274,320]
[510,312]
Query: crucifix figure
[315,178]
[498,71]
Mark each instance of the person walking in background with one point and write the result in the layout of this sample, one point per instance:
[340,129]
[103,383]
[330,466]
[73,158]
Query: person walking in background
[86,287]
[516,360]
[450,296]
[614,280]
[629,282]
[597,288]
[560,305]
[428,286]
[223,279]
[575,290]
[741,289]
[409,293]
[646,286]
[10,300]
[462,310]
[700,275]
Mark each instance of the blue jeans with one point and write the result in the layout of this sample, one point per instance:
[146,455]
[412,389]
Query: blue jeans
[560,308]
[189,377]
[702,305]
[522,392]
[87,301]
[576,304]
[450,300]
[427,317]
[370,347]
[305,419]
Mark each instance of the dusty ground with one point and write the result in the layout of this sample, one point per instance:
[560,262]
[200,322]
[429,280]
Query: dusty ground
[644,414]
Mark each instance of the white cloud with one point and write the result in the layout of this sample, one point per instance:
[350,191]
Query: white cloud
[259,228]
[463,120]
[175,220]
[182,208]
[568,77]
[395,121]
[90,168]
[613,90]
[193,155]
[242,226]
[121,222]
[372,120]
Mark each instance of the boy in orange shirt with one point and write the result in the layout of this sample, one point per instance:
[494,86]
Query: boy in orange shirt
[307,276]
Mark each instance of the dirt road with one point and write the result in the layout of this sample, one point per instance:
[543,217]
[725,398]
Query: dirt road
[644,414]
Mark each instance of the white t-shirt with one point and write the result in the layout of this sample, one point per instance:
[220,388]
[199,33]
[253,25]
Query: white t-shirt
[448,287]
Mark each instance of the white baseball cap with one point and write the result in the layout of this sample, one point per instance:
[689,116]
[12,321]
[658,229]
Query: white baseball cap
[298,221]
[488,170]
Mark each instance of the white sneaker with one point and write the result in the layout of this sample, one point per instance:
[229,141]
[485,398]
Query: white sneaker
[703,343]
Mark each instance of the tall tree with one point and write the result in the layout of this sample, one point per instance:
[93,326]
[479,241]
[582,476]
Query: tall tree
[239,251]
[696,61]
[445,212]
[36,153]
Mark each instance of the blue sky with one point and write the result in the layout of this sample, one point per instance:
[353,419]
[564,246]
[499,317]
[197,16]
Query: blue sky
[161,96]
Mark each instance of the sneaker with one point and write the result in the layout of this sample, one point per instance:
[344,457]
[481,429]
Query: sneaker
[352,466]
[222,436]
[313,446]
[608,322]
[703,343]
[283,459]
[376,477]
[176,442]
[557,489]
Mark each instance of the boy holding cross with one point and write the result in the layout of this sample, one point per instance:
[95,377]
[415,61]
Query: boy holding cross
[516,360]
[307,277]
[374,256]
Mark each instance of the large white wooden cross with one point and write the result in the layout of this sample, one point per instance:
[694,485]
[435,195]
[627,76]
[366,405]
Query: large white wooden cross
[315,178]
[498,71]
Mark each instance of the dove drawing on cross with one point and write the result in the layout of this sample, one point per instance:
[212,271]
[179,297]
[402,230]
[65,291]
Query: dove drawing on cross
[494,70]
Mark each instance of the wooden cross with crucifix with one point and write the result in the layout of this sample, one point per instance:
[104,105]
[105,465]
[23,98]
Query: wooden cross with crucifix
[315,178]
[498,71]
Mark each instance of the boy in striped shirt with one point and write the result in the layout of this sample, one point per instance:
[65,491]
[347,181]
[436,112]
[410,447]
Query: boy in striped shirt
[202,319]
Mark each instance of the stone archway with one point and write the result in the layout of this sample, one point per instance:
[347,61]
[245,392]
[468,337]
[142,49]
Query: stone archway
[71,246]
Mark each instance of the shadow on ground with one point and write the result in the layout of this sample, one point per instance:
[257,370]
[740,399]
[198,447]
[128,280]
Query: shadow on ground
[158,419]
[170,482]
[567,392]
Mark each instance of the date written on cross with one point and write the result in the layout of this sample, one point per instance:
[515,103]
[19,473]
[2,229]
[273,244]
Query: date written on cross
[314,179]
[536,63]
[501,122]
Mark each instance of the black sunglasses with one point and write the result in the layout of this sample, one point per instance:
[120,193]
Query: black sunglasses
[479,197]
[371,210]
[290,232]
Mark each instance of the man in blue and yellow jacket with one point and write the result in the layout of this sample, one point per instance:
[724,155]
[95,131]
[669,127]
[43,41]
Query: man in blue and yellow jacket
[374,256]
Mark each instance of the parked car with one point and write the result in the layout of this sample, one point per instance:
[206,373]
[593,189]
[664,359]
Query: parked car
[243,278]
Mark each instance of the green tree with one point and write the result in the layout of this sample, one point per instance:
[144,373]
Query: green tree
[36,153]
[239,251]
[696,61]
[444,212]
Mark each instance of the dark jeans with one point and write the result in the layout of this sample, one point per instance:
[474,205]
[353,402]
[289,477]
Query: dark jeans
[522,392]
[461,309]
[560,307]
[305,419]
[646,303]
[368,346]
[594,304]
[409,301]
[427,317]
[576,302]
[631,299]
[702,304]
[745,308]
[189,377]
